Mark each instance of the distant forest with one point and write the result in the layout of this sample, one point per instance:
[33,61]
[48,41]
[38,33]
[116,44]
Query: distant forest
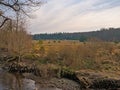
[110,34]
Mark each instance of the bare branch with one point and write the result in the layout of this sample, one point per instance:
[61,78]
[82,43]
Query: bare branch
[4,21]
[15,6]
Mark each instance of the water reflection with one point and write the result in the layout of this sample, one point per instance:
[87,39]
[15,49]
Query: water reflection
[10,81]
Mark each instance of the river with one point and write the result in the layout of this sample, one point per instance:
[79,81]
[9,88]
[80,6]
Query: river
[9,81]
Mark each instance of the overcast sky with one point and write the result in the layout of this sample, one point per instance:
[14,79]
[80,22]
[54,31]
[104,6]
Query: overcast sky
[75,16]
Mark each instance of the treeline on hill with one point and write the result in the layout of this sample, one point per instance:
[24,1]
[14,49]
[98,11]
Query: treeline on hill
[110,34]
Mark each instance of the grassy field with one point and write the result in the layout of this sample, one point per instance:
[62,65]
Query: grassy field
[79,55]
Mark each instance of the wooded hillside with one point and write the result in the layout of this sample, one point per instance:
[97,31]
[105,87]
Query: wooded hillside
[110,34]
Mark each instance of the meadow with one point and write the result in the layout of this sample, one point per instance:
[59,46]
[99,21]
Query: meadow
[90,55]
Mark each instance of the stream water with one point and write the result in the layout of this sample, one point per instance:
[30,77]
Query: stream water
[9,81]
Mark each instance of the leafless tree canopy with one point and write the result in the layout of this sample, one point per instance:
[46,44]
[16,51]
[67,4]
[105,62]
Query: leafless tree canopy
[16,41]
[8,8]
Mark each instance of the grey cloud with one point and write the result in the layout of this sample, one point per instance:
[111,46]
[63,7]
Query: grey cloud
[64,16]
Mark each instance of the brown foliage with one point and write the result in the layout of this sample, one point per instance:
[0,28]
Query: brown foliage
[16,41]
[88,55]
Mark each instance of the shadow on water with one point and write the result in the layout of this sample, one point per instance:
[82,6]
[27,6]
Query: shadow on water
[10,81]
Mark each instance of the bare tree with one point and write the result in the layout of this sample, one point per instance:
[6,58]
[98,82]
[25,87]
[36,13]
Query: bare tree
[17,42]
[8,8]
